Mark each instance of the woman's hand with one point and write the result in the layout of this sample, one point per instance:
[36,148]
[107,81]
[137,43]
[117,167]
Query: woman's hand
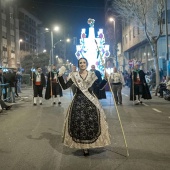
[61,71]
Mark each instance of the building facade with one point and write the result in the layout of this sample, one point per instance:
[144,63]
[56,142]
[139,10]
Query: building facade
[135,46]
[31,34]
[9,34]
[21,34]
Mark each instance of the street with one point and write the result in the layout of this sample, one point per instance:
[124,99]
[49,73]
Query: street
[31,136]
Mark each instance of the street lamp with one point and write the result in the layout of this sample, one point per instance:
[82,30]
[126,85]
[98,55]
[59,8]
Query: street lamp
[52,43]
[44,51]
[115,42]
[56,43]
[20,40]
[68,40]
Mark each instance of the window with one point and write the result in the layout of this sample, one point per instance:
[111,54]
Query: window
[4,34]
[21,15]
[26,19]
[3,10]
[12,38]
[12,49]
[4,22]
[168,17]
[12,26]
[27,47]
[11,16]
[22,46]
[4,48]
[31,41]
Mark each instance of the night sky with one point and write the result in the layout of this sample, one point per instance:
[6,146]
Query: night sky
[71,14]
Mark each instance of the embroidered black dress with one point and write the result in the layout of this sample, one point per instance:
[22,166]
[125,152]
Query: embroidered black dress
[85,125]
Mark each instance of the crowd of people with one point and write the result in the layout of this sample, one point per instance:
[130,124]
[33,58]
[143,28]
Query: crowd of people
[10,86]
[150,76]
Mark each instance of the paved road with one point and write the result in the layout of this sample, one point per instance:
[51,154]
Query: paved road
[31,137]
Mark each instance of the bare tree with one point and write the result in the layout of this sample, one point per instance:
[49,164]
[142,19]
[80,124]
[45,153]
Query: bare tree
[149,16]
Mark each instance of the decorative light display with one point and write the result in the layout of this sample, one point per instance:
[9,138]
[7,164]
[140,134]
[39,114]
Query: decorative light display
[88,49]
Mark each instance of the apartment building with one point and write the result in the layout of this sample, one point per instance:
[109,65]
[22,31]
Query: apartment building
[31,34]
[136,46]
[21,34]
[9,34]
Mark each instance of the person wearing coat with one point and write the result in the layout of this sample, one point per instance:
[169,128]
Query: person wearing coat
[117,82]
[139,88]
[53,88]
[100,93]
[11,79]
[38,84]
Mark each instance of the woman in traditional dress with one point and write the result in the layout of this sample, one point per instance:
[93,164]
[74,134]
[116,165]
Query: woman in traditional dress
[85,126]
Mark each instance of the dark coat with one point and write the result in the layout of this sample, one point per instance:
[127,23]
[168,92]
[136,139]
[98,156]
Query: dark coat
[48,88]
[2,79]
[145,93]
[153,79]
[100,94]
[2,86]
[11,79]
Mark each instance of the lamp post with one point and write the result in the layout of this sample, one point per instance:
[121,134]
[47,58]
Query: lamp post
[68,40]
[20,40]
[56,43]
[115,41]
[52,43]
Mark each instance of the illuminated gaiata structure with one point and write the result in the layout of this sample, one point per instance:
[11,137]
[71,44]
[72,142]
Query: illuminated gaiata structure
[88,48]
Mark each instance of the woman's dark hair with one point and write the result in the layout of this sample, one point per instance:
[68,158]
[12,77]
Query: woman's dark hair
[84,59]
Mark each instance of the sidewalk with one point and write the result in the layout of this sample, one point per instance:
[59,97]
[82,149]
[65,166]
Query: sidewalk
[25,96]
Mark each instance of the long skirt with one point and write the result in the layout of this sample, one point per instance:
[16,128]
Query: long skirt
[85,125]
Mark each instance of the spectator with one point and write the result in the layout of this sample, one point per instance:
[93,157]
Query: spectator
[152,79]
[161,73]
[100,94]
[163,86]
[19,80]
[11,79]
[16,82]
[3,88]
[117,81]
